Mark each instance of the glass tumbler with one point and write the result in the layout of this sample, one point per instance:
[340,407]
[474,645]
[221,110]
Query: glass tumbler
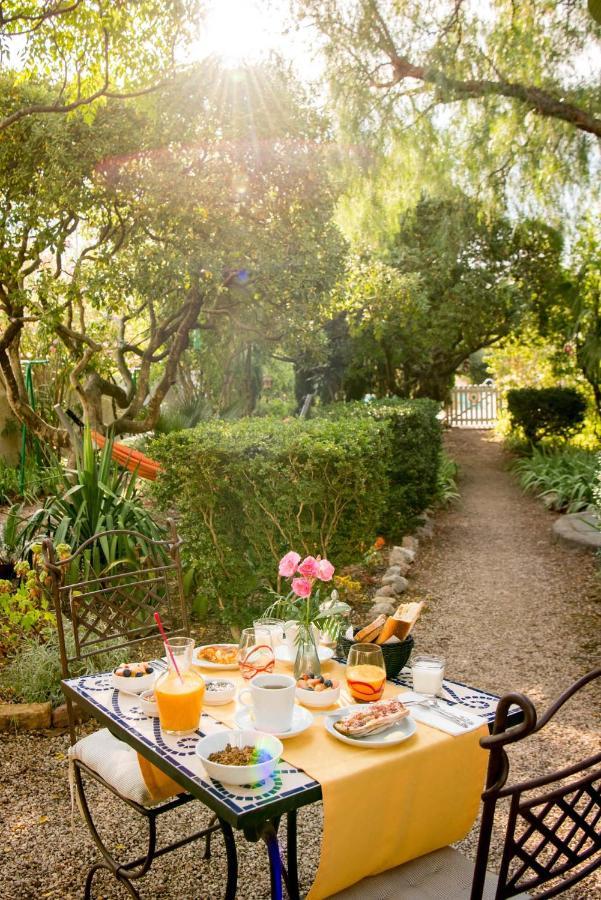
[180,690]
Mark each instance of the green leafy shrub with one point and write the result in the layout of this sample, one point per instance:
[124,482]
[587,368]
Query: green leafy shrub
[249,490]
[564,478]
[546,412]
[97,496]
[24,605]
[9,482]
[446,481]
[413,438]
[34,674]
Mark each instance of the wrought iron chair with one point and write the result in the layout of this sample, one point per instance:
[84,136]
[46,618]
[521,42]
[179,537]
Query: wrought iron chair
[552,838]
[108,607]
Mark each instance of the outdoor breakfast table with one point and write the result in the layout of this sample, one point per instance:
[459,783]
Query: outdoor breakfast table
[382,807]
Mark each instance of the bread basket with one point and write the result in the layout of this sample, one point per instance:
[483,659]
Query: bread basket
[396,653]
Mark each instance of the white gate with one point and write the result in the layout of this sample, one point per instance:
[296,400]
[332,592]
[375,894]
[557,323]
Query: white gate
[474,406]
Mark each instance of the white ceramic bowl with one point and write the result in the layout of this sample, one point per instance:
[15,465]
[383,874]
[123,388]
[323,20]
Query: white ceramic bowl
[318,699]
[212,743]
[132,684]
[149,706]
[223,692]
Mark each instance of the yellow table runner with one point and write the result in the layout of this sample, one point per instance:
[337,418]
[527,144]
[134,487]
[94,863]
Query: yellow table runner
[383,807]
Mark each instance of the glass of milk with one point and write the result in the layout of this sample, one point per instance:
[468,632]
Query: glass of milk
[428,674]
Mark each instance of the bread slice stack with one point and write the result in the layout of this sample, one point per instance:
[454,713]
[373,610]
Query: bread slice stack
[399,625]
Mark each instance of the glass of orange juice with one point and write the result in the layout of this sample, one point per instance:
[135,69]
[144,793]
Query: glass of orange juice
[365,672]
[179,691]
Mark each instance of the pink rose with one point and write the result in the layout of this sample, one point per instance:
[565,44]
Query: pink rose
[325,570]
[302,587]
[308,567]
[288,564]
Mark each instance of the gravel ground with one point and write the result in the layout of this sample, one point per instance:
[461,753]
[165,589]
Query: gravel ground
[508,607]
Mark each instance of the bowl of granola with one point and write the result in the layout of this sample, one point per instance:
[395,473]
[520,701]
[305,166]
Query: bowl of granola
[239,757]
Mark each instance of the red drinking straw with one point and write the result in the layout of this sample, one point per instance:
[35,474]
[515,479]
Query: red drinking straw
[157,619]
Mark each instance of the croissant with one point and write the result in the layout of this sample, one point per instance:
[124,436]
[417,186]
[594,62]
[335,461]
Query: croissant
[374,717]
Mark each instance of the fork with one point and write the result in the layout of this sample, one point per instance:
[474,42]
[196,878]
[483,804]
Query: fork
[434,703]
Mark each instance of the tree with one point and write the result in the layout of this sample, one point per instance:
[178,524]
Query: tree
[510,90]
[195,208]
[574,321]
[452,282]
[72,54]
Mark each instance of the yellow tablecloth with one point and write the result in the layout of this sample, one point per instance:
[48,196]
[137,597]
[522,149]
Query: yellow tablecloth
[383,807]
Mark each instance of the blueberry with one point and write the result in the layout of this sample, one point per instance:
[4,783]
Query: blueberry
[311,675]
[328,683]
[126,673]
[320,679]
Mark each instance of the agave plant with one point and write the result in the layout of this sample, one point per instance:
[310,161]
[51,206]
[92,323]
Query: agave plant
[94,497]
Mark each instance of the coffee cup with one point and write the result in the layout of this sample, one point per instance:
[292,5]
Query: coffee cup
[272,699]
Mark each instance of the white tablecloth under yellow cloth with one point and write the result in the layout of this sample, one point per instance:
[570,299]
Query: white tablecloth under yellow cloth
[383,807]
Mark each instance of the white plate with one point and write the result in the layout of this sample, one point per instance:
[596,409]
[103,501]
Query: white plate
[397,732]
[206,664]
[301,720]
[282,654]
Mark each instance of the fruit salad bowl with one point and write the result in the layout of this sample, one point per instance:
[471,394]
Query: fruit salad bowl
[317,692]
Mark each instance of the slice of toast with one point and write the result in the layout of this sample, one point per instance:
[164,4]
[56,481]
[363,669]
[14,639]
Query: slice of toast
[400,624]
[370,632]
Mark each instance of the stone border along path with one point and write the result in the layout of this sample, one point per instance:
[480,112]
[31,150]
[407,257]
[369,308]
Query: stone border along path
[508,606]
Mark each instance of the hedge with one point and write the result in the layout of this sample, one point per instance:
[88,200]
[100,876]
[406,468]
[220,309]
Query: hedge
[546,412]
[246,492]
[413,455]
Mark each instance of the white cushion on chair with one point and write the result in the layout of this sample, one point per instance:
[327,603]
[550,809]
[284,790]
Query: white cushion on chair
[443,875]
[116,762]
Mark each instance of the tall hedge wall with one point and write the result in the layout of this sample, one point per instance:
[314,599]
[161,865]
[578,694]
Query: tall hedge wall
[414,443]
[248,491]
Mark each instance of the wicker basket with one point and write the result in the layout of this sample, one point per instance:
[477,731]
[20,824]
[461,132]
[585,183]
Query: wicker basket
[396,655]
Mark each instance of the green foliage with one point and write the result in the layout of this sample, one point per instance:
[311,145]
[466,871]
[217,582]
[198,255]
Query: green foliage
[34,674]
[544,412]
[412,438]
[248,491]
[97,496]
[24,606]
[446,481]
[9,482]
[564,478]
[450,282]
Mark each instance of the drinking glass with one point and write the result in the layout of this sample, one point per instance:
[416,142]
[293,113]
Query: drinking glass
[428,673]
[180,690]
[365,672]
[275,629]
[255,652]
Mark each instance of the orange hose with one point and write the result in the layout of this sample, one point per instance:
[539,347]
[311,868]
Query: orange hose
[130,459]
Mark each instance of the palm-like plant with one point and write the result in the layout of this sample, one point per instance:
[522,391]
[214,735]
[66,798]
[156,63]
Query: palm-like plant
[94,497]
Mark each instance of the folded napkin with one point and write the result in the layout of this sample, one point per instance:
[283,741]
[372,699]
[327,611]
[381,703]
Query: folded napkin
[435,719]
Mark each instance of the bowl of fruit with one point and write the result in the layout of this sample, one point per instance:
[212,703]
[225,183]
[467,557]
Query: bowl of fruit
[317,691]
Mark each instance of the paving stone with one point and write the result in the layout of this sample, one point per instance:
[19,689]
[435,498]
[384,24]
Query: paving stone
[410,542]
[60,718]
[583,529]
[382,607]
[396,582]
[25,716]
[400,556]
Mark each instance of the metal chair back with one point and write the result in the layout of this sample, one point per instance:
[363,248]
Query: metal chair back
[106,606]
[553,834]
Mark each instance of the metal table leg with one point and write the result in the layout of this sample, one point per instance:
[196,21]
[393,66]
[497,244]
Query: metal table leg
[269,835]
[291,875]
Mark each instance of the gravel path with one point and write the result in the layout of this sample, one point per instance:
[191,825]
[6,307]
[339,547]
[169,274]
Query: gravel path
[508,607]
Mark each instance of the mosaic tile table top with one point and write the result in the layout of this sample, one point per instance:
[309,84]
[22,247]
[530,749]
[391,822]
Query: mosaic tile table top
[288,788]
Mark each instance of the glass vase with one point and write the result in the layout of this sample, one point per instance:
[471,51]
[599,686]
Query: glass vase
[307,658]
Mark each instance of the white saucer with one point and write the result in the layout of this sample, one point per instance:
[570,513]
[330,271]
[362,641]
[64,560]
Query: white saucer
[301,720]
[397,732]
[283,654]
